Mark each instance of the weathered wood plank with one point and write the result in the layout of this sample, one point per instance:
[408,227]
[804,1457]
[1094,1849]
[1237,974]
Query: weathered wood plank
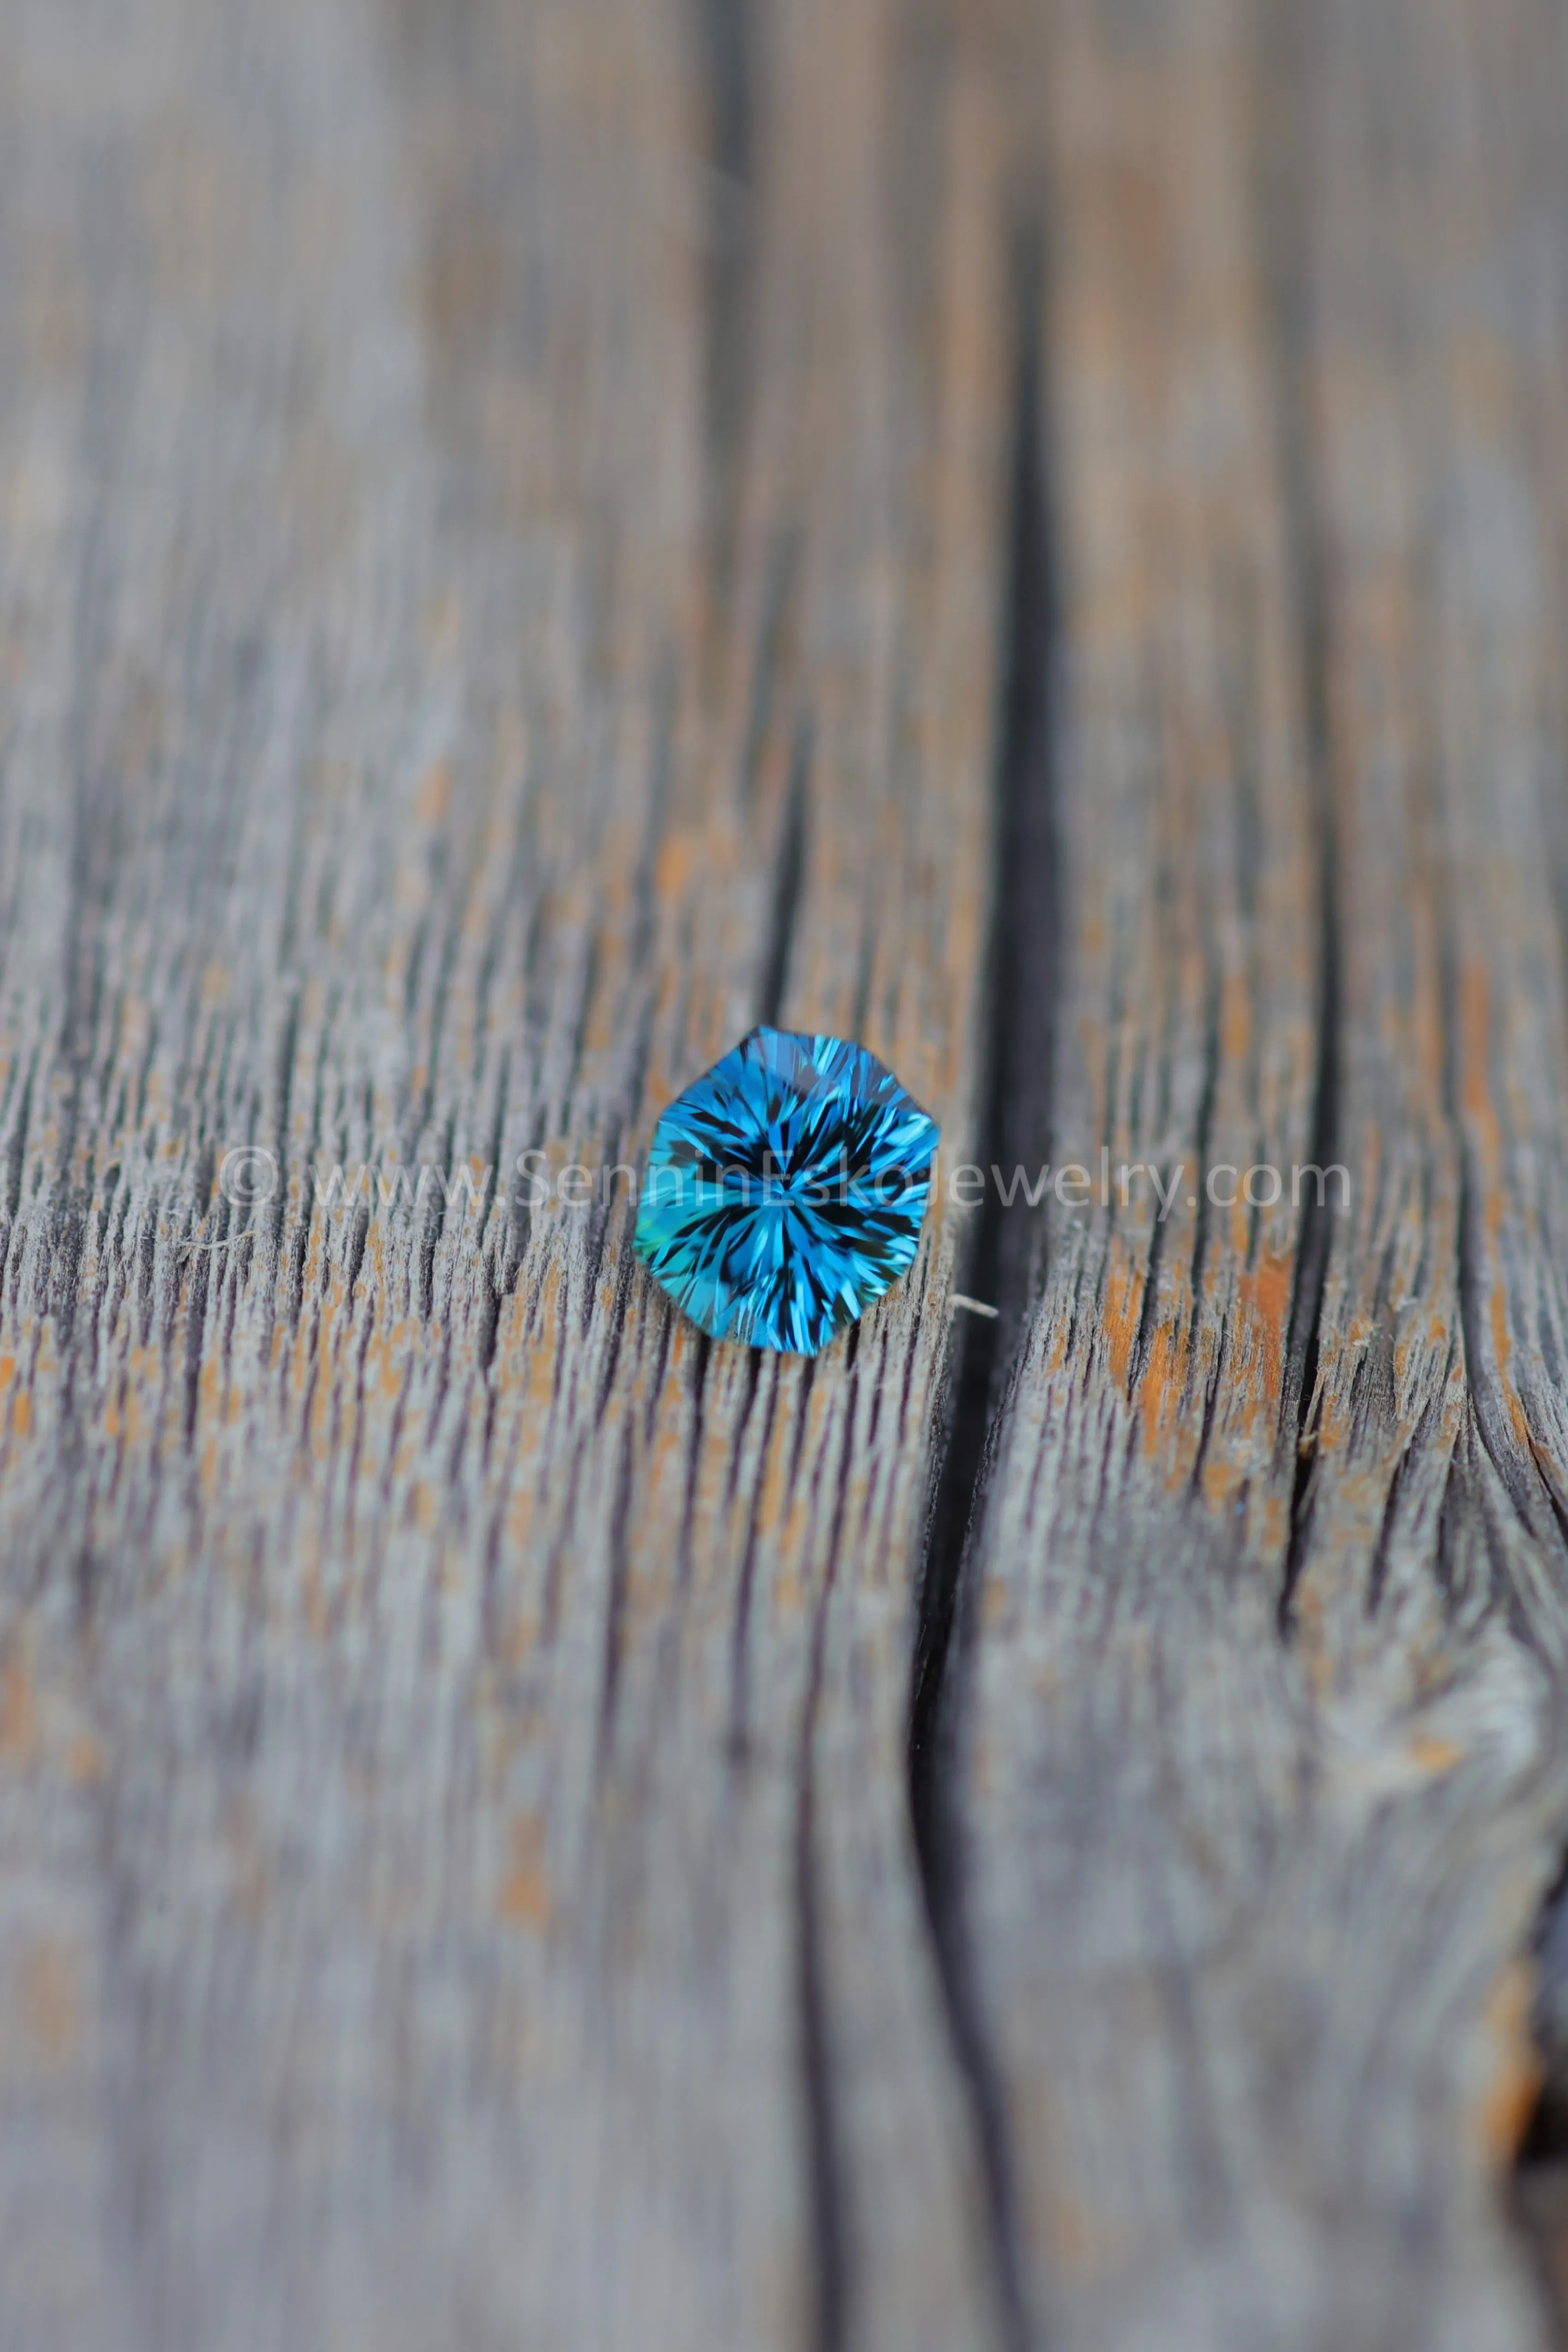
[1260,1781]
[507,572]
[499,584]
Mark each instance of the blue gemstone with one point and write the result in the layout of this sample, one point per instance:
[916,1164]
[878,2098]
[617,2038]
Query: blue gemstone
[785,1190]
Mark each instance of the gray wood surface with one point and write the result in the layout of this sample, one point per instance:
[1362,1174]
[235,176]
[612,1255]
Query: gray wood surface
[535,533]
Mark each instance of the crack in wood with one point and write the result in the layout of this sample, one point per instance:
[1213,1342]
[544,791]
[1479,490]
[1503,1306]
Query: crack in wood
[828,2178]
[789,869]
[728,35]
[1020,1011]
[1283,267]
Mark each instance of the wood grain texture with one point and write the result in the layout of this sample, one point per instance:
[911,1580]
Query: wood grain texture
[1260,1716]
[461,1887]
[535,533]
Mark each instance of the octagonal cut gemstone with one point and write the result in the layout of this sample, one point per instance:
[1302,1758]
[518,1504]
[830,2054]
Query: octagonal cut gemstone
[785,1190]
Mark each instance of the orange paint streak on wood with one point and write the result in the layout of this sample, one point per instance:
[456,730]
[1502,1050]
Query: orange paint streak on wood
[1123,1309]
[1161,1385]
[1510,2095]
[18,1720]
[525,1895]
[1266,1298]
[1235,1020]
[435,794]
[50,2004]
[1431,1755]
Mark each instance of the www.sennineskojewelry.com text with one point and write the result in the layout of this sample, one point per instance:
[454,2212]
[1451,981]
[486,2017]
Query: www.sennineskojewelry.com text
[249,1176]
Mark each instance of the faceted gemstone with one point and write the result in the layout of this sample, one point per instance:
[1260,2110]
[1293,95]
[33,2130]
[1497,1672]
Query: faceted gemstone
[785,1190]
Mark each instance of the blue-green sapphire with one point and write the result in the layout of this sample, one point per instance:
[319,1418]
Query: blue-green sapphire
[785,1190]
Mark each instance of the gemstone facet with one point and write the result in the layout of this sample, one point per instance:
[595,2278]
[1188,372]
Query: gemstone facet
[785,1190]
